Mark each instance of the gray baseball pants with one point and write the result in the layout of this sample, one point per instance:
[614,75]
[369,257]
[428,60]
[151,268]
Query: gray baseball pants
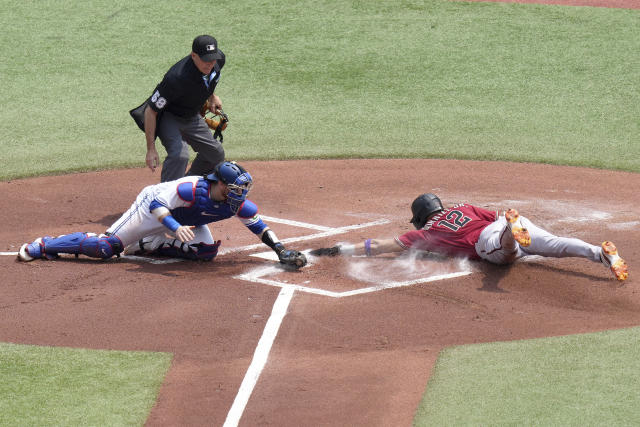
[175,133]
[497,245]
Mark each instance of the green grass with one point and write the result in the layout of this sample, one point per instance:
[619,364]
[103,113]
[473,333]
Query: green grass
[48,386]
[328,79]
[333,79]
[578,380]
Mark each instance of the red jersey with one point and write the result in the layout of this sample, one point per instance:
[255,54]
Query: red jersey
[454,231]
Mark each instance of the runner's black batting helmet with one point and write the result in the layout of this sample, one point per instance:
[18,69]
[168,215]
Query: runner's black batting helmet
[423,207]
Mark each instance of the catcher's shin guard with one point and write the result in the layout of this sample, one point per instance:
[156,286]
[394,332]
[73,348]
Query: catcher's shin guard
[194,251]
[88,244]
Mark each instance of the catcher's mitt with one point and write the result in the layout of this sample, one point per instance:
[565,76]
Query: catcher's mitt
[216,122]
[293,259]
[332,251]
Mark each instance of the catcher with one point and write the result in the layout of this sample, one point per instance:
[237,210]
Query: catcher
[469,231]
[181,209]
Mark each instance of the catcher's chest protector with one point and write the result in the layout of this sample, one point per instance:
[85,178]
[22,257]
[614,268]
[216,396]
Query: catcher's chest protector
[203,210]
[202,198]
[198,195]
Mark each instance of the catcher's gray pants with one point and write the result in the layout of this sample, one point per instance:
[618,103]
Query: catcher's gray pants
[497,245]
[175,133]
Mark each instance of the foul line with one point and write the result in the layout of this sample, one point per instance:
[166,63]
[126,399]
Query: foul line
[260,357]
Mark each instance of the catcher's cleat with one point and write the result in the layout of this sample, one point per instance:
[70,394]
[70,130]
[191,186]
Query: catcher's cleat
[23,253]
[146,245]
[135,248]
[520,233]
[609,257]
[30,251]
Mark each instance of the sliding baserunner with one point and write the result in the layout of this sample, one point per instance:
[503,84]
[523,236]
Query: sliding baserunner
[469,231]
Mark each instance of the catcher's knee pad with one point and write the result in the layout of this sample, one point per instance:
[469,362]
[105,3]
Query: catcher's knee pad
[88,244]
[193,251]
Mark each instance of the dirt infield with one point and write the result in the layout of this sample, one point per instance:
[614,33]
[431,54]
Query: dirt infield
[347,352]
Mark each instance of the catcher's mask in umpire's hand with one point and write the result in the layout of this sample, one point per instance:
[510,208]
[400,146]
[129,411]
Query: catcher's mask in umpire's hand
[238,182]
[423,207]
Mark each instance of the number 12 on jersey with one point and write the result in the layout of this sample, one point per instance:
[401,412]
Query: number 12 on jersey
[454,220]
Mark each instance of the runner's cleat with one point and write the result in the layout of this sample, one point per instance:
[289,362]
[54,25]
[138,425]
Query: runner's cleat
[520,233]
[609,257]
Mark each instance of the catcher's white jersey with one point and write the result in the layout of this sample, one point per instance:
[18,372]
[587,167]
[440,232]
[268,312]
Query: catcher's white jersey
[188,201]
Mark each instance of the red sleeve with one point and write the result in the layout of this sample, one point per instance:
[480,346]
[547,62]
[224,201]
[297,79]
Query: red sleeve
[454,231]
[412,238]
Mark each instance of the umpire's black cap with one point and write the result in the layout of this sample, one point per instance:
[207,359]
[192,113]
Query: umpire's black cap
[206,47]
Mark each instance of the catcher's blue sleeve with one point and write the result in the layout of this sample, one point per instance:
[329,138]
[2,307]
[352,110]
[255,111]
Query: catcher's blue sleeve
[249,216]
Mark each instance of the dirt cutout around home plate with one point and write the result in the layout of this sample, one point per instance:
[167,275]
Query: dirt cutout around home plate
[359,336]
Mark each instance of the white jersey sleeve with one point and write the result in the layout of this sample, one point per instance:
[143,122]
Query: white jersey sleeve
[175,194]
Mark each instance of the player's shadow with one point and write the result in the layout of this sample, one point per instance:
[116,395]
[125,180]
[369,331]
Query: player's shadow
[172,269]
[605,277]
[108,220]
[175,269]
[179,268]
[492,275]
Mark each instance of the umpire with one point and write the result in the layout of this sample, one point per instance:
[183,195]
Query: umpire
[172,113]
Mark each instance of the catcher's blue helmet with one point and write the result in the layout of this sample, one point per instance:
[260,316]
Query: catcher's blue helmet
[423,207]
[238,182]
